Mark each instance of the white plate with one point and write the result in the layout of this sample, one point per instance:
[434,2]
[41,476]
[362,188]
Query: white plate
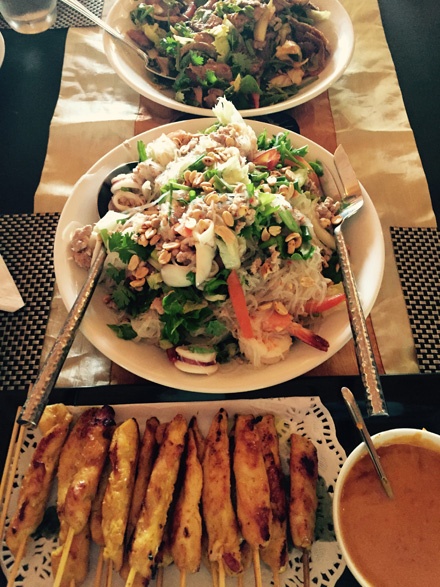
[338,30]
[364,238]
[2,49]
[306,416]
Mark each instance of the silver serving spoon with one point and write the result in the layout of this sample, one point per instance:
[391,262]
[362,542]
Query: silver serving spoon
[355,413]
[39,392]
[75,5]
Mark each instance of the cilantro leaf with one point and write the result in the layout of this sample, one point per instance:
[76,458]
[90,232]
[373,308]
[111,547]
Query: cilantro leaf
[124,331]
[126,247]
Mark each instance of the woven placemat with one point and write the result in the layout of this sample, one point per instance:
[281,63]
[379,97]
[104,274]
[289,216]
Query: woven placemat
[67,17]
[27,248]
[417,252]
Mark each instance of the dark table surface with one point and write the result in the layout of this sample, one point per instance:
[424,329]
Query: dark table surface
[27,100]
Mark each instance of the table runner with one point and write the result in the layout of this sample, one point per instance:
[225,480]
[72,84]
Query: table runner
[67,17]
[363,110]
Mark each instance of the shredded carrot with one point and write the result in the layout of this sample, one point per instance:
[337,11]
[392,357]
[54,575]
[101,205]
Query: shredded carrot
[238,301]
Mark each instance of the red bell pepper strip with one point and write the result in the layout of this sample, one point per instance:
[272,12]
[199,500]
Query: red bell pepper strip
[326,304]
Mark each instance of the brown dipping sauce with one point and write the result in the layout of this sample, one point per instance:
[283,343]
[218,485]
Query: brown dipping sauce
[394,542]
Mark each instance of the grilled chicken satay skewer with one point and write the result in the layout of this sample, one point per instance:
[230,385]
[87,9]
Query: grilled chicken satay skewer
[10,469]
[254,510]
[164,558]
[147,455]
[123,454]
[150,527]
[37,482]
[96,523]
[186,525]
[275,554]
[303,497]
[80,468]
[218,512]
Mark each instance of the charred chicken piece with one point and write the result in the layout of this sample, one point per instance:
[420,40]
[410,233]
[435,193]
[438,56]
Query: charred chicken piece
[123,455]
[303,498]
[80,468]
[150,526]
[147,455]
[218,512]
[275,553]
[252,486]
[37,482]
[186,528]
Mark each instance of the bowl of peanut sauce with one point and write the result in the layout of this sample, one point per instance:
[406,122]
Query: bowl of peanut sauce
[391,542]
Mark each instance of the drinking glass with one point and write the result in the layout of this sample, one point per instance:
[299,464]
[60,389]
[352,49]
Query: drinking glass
[29,16]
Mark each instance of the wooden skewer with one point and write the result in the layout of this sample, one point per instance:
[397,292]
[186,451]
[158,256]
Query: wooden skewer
[99,567]
[276,578]
[10,469]
[109,574]
[64,557]
[221,574]
[131,577]
[257,567]
[182,581]
[240,580]
[214,574]
[306,567]
[159,578]
[17,563]
[72,583]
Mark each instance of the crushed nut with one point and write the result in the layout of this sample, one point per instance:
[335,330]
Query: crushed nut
[274,230]
[137,283]
[170,246]
[141,272]
[211,197]
[133,263]
[265,236]
[149,233]
[280,308]
[294,241]
[142,240]
[228,219]
[164,257]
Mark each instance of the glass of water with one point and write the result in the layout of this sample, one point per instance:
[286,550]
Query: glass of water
[29,16]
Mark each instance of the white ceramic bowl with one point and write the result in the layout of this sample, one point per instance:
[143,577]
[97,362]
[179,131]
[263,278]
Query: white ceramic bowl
[2,49]
[400,435]
[338,29]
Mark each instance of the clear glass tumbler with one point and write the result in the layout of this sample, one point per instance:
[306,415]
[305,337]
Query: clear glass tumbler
[29,16]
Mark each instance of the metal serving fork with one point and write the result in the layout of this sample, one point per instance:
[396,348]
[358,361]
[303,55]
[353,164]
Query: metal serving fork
[79,7]
[353,202]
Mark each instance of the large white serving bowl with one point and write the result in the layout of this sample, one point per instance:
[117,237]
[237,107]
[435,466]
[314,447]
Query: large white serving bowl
[338,31]
[364,238]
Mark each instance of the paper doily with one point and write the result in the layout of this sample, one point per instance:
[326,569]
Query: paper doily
[302,415]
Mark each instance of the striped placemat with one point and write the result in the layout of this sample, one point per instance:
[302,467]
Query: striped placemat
[67,17]
[27,248]
[416,251]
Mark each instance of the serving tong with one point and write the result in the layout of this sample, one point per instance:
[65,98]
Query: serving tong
[352,200]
